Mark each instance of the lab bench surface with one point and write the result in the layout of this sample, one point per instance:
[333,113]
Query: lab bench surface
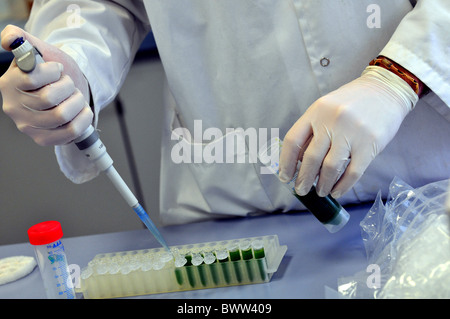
[314,261]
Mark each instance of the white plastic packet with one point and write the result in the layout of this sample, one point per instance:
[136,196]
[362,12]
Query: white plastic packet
[407,242]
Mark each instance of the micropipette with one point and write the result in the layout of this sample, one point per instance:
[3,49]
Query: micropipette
[89,142]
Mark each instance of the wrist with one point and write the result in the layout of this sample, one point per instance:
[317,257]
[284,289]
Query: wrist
[413,81]
[389,83]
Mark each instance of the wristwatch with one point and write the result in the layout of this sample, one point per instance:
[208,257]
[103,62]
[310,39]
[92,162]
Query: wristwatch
[413,81]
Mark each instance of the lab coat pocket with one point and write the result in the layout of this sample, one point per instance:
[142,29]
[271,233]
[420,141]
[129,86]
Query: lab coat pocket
[225,169]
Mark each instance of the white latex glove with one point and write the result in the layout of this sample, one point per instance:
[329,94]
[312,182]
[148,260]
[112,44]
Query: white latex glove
[50,103]
[350,125]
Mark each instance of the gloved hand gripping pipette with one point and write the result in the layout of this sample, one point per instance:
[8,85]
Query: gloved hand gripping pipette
[89,142]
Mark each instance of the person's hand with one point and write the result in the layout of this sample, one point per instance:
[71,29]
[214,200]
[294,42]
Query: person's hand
[342,132]
[49,104]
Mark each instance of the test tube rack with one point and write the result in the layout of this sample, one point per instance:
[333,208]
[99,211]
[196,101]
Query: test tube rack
[187,267]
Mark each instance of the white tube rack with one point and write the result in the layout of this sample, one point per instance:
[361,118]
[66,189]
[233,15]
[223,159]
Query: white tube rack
[204,265]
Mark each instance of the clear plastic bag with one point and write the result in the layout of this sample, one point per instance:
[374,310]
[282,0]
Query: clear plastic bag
[407,242]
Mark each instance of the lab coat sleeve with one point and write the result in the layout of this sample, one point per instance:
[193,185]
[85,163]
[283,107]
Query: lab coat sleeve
[103,37]
[421,44]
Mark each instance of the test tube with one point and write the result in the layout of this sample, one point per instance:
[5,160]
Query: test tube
[190,270]
[160,279]
[260,254]
[326,209]
[222,258]
[51,259]
[197,261]
[180,270]
[235,256]
[247,255]
[210,260]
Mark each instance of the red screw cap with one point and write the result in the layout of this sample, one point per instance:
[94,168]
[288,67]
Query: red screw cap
[45,232]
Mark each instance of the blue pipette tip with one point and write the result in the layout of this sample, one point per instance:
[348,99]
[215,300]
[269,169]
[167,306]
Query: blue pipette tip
[150,225]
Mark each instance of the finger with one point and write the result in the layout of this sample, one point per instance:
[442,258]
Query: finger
[42,75]
[293,145]
[48,96]
[358,164]
[312,161]
[333,166]
[58,115]
[62,134]
[304,147]
[50,53]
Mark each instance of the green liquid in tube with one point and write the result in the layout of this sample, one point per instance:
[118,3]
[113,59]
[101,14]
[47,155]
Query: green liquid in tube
[235,255]
[259,253]
[223,259]
[247,255]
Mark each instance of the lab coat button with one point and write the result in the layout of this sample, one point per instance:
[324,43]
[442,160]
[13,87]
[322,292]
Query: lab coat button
[324,62]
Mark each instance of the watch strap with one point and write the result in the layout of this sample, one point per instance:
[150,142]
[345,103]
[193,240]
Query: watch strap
[413,81]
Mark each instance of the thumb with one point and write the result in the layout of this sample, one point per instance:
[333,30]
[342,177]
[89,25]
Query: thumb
[10,33]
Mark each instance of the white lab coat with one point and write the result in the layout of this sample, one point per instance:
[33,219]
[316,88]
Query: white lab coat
[258,64]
